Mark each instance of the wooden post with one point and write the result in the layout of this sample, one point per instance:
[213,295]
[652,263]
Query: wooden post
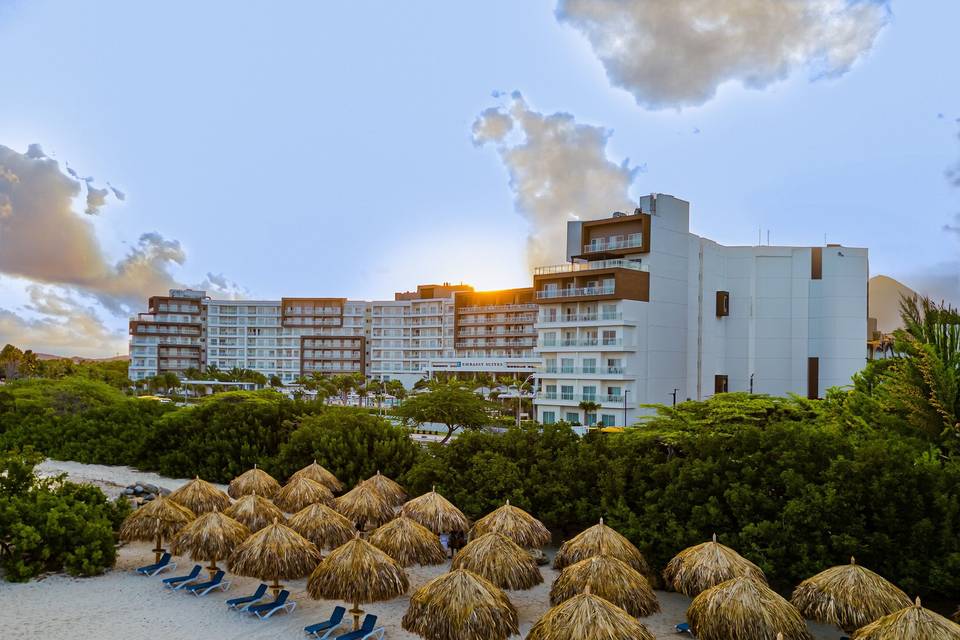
[357,612]
[276,587]
[159,550]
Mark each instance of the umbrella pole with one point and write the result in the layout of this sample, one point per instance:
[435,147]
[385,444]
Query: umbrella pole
[276,587]
[357,612]
[159,549]
[212,568]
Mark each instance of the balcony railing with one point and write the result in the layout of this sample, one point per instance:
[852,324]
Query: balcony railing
[575,292]
[581,397]
[569,267]
[584,370]
[583,342]
[579,317]
[497,307]
[608,244]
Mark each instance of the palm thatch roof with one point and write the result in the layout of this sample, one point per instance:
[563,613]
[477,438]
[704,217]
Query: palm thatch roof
[461,605]
[848,596]
[300,493]
[322,526]
[744,609]
[254,511]
[516,524]
[159,518]
[392,492]
[910,622]
[364,504]
[200,497]
[358,572]
[588,617]
[706,565]
[255,481]
[408,543]
[276,553]
[596,540]
[319,474]
[500,560]
[212,536]
[610,578]
[436,513]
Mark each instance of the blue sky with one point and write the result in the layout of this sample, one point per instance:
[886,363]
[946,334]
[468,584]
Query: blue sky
[327,148]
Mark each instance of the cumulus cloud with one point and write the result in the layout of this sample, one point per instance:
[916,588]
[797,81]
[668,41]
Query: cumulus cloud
[559,171]
[677,53]
[96,198]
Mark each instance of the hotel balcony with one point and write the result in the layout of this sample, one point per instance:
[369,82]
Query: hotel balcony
[613,243]
[582,371]
[576,398]
[583,344]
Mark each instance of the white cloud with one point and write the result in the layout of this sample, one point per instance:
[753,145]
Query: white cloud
[676,53]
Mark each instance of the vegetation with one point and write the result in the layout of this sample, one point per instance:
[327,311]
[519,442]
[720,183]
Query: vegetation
[448,403]
[15,364]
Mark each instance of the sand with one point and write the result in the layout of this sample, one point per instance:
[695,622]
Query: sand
[122,605]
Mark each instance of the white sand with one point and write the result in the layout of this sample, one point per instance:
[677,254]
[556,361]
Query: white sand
[121,605]
[111,480]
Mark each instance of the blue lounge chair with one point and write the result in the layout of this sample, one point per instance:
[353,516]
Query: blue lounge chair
[178,582]
[158,567]
[242,603]
[684,627]
[203,588]
[366,630]
[264,611]
[322,630]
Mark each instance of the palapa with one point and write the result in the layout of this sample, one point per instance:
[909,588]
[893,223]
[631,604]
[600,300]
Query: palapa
[436,513]
[365,506]
[212,536]
[744,609]
[848,596]
[586,616]
[359,573]
[275,553]
[319,474]
[610,578]
[600,538]
[200,497]
[706,565]
[158,519]
[392,492]
[300,493]
[408,543]
[255,512]
[516,524]
[322,526]
[461,605]
[500,560]
[910,622]
[255,481]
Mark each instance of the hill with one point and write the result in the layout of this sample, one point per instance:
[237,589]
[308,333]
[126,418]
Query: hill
[885,294]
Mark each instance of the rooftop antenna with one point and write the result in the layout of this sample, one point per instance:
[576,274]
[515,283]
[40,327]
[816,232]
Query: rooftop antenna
[768,237]
[759,235]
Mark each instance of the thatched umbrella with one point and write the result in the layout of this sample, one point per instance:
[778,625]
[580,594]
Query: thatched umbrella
[275,553]
[744,609]
[461,605]
[322,526]
[910,622]
[500,560]
[392,492]
[255,481]
[436,513]
[706,565]
[212,536]
[158,519]
[254,511]
[600,539]
[359,573]
[300,493]
[586,616]
[365,505]
[610,578]
[200,497]
[516,524]
[319,474]
[408,543]
[849,596]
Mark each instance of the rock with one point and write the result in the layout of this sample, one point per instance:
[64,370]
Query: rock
[148,497]
[151,488]
[164,492]
[128,491]
[138,489]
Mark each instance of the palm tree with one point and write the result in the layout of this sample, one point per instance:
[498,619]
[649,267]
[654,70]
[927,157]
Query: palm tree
[343,385]
[378,388]
[589,406]
[275,381]
[396,389]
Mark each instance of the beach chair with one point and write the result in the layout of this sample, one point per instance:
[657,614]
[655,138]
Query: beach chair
[242,603]
[178,582]
[366,630]
[158,567]
[684,627]
[264,611]
[203,588]
[322,630]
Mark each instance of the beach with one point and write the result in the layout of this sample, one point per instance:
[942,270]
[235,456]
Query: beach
[122,605]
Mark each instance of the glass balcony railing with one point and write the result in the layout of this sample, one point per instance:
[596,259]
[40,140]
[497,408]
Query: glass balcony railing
[584,370]
[575,292]
[583,342]
[631,241]
[579,317]
[570,267]
[615,398]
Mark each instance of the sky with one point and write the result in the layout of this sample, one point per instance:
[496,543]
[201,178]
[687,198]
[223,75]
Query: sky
[355,149]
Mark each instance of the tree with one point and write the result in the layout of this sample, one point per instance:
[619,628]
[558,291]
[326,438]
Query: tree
[10,357]
[447,403]
[344,384]
[378,388]
[275,381]
[588,407]
[396,389]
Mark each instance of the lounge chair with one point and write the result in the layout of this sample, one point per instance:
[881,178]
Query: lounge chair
[684,627]
[242,603]
[366,630]
[267,609]
[322,630]
[158,567]
[203,588]
[178,582]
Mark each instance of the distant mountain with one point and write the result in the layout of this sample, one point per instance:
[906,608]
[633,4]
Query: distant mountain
[885,294]
[50,356]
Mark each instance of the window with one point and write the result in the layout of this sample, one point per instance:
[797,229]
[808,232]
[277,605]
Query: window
[720,384]
[723,303]
[609,337]
[590,394]
[613,391]
[609,311]
[591,419]
[589,365]
[550,339]
[573,417]
[613,365]
[813,378]
[608,420]
[566,365]
[566,392]
[549,417]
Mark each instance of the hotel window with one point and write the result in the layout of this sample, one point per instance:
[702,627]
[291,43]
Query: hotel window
[573,417]
[590,419]
[723,304]
[549,417]
[613,391]
[590,394]
[720,383]
[613,365]
[609,312]
[550,339]
[566,392]
[589,365]
[609,337]
[566,365]
[608,419]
